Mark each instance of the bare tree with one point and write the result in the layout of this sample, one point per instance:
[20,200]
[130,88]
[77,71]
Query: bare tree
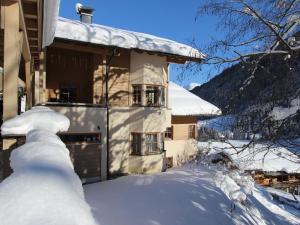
[251,30]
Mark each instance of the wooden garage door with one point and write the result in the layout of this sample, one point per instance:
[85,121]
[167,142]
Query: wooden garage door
[85,152]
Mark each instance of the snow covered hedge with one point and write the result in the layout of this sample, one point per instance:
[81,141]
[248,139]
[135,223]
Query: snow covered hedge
[43,188]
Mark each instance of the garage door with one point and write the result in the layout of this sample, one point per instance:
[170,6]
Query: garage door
[85,152]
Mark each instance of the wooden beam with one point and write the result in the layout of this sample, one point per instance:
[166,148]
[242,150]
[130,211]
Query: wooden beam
[2,15]
[33,1]
[81,48]
[42,76]
[12,55]
[25,46]
[30,16]
[32,28]
[40,6]
[28,73]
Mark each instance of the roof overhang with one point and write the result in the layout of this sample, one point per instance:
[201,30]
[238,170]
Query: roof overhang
[107,49]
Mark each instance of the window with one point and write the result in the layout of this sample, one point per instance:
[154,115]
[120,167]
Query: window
[67,94]
[192,133]
[169,133]
[73,138]
[152,96]
[136,144]
[151,143]
[137,95]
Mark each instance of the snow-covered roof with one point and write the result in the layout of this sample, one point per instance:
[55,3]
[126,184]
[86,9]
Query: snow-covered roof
[184,103]
[109,36]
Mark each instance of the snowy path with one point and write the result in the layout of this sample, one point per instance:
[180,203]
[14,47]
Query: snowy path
[186,196]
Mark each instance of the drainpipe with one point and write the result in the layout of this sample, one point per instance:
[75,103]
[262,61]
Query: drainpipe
[107,109]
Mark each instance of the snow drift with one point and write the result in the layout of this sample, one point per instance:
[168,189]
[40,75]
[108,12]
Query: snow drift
[43,188]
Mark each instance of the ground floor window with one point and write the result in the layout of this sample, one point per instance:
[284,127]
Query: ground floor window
[143,144]
[151,143]
[79,138]
[136,144]
[169,133]
[192,131]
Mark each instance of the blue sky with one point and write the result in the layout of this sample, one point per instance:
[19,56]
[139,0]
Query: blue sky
[171,19]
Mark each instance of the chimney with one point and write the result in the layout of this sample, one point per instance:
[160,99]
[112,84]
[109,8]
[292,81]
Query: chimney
[85,12]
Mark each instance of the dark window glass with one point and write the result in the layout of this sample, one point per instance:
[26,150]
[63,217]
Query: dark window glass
[151,143]
[152,96]
[169,133]
[192,129]
[137,95]
[136,143]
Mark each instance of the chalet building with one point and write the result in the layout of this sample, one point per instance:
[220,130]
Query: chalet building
[182,136]
[113,86]
[289,182]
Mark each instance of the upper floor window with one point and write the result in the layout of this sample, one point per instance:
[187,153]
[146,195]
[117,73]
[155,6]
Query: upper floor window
[155,96]
[192,131]
[137,95]
[152,96]
[136,143]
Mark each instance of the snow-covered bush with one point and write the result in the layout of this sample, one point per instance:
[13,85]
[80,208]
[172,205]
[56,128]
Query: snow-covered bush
[43,188]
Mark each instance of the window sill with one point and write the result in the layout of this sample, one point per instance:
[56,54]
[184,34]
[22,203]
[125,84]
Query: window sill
[148,154]
[72,104]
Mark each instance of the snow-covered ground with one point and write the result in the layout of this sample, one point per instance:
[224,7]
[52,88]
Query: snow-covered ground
[193,194]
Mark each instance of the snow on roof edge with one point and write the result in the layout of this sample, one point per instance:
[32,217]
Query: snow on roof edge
[114,37]
[184,103]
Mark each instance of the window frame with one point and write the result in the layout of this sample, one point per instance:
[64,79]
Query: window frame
[156,144]
[192,133]
[132,139]
[140,89]
[169,133]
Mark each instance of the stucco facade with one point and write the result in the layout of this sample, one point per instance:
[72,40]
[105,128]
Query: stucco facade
[182,145]
[127,69]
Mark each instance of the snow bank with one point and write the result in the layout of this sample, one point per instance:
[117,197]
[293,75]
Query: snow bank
[108,36]
[265,156]
[39,117]
[185,103]
[285,198]
[280,113]
[43,188]
[230,187]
